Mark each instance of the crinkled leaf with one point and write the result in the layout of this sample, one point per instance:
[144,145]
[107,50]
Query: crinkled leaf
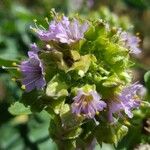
[110,133]
[69,120]
[38,130]
[73,134]
[56,106]
[34,100]
[83,64]
[53,60]
[111,81]
[75,55]
[19,109]
[47,145]
[56,88]
[10,138]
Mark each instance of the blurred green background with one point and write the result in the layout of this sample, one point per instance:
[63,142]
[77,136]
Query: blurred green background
[16,16]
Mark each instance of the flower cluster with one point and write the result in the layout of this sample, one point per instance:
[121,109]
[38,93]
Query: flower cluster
[68,31]
[64,31]
[80,75]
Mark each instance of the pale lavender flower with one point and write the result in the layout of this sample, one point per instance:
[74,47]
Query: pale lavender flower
[33,73]
[64,31]
[34,48]
[126,101]
[131,42]
[87,104]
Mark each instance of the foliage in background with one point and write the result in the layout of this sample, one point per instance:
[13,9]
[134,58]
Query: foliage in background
[15,37]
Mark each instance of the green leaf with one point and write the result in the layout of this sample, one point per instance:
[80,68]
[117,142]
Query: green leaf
[38,127]
[56,88]
[10,52]
[75,55]
[56,105]
[105,146]
[112,81]
[132,139]
[11,138]
[110,133]
[53,61]
[13,91]
[83,64]
[35,100]
[138,4]
[68,119]
[19,109]
[73,134]
[91,34]
[47,145]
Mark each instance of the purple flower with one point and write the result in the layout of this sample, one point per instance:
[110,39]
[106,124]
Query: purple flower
[126,101]
[131,42]
[87,104]
[64,31]
[34,48]
[33,73]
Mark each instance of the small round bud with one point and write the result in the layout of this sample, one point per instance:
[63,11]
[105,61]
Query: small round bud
[23,87]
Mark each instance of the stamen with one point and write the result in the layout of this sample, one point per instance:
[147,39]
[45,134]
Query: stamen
[97,112]
[14,79]
[53,12]
[96,122]
[4,67]
[35,23]
[34,29]
[42,27]
[46,19]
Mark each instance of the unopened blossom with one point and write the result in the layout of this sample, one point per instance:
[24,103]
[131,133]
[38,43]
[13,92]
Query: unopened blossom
[87,104]
[130,42]
[64,31]
[33,73]
[126,101]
